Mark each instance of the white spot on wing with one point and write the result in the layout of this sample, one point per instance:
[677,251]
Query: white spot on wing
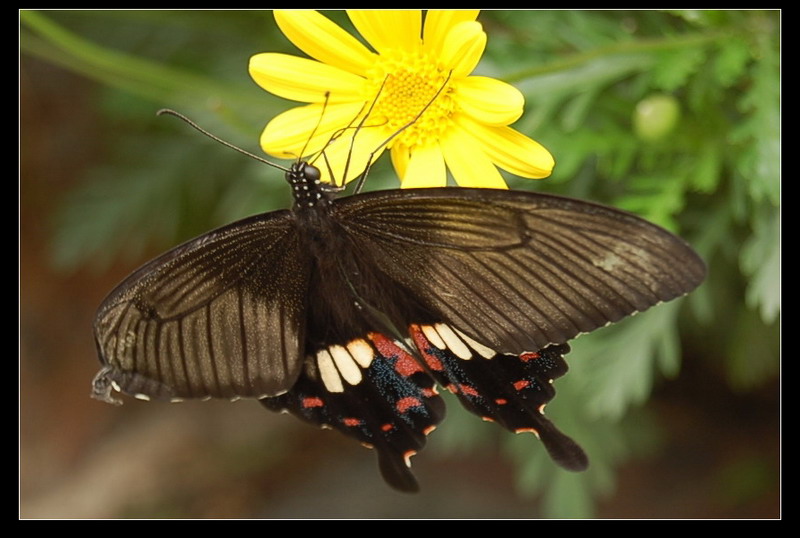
[534,431]
[608,263]
[362,352]
[346,365]
[432,336]
[454,343]
[482,350]
[143,397]
[328,373]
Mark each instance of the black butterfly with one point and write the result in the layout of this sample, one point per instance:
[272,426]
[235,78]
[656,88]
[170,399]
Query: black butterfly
[347,312]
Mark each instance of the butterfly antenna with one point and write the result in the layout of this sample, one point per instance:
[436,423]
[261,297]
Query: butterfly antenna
[336,134]
[334,187]
[358,128]
[169,112]
[394,135]
[316,127]
[339,132]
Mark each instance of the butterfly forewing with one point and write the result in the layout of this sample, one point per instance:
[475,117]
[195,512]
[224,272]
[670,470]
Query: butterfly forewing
[219,316]
[520,270]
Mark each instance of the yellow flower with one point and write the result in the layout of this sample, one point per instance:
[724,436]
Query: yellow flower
[464,129]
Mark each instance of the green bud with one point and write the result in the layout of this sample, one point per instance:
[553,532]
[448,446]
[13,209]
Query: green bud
[656,116]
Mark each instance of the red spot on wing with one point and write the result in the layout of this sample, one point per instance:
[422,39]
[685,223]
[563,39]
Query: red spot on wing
[519,385]
[432,361]
[387,427]
[525,357]
[351,421]
[404,404]
[469,390]
[405,365]
[429,393]
[313,402]
[385,346]
[501,401]
[424,347]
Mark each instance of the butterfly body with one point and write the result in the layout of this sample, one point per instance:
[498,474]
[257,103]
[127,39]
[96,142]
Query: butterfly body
[348,312]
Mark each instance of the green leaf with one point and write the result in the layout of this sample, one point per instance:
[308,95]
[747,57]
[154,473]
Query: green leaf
[574,113]
[169,197]
[568,498]
[656,198]
[758,134]
[761,261]
[707,170]
[626,359]
[731,61]
[158,82]
[674,68]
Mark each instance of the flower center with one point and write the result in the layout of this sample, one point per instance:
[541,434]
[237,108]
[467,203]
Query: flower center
[410,81]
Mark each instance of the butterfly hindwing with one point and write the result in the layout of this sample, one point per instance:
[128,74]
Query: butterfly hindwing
[371,389]
[511,390]
[219,316]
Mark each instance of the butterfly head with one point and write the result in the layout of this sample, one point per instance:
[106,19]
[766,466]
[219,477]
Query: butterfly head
[308,189]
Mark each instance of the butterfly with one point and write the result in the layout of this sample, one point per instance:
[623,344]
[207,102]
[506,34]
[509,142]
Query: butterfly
[350,311]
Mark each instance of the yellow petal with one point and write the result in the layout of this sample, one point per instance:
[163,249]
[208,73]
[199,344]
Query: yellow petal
[468,163]
[288,133]
[462,48]
[301,79]
[425,168]
[324,40]
[489,100]
[509,149]
[400,157]
[344,158]
[438,23]
[389,29]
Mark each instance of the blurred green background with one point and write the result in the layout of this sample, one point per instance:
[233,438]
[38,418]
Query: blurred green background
[674,115]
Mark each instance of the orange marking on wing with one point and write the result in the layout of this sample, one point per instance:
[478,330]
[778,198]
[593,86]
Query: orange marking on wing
[404,404]
[350,421]
[312,402]
[423,345]
[519,385]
